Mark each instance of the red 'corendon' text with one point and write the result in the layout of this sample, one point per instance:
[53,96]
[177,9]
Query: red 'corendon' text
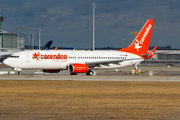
[49,56]
[57,57]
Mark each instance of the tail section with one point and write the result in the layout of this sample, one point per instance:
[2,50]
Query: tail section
[47,46]
[140,45]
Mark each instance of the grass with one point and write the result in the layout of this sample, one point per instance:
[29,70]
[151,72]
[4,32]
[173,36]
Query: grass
[89,100]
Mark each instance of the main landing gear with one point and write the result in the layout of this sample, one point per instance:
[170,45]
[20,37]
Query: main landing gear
[90,72]
[136,68]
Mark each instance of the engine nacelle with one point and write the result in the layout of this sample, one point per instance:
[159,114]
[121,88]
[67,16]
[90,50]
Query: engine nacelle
[78,68]
[50,71]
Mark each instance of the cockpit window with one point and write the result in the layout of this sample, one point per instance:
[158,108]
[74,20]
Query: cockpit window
[12,56]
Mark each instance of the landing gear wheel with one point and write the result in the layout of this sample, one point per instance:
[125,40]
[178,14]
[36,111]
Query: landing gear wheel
[19,73]
[89,72]
[73,73]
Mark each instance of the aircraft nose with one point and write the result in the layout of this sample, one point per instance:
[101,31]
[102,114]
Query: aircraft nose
[6,62]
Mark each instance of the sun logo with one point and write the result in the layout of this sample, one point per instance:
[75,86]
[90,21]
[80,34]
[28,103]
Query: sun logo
[36,55]
[137,45]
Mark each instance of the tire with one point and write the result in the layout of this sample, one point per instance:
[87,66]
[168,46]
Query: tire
[87,73]
[19,73]
[73,73]
[91,73]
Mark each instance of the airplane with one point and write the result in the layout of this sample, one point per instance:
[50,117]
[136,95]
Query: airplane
[4,55]
[47,45]
[54,61]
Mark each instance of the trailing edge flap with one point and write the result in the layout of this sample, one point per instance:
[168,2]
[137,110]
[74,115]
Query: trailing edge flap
[107,64]
[104,64]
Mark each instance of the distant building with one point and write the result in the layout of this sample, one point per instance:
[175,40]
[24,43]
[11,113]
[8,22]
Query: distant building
[163,58]
[20,42]
[9,41]
[160,47]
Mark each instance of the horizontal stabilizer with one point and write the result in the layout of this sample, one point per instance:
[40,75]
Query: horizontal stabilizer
[152,53]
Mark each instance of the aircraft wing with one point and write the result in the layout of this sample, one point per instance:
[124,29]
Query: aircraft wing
[4,55]
[106,63]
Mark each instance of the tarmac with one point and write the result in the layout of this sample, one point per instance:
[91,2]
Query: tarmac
[167,74]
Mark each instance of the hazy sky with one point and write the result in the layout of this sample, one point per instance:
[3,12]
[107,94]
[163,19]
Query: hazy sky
[69,22]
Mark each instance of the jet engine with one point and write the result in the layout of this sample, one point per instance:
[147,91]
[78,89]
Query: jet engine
[50,71]
[78,68]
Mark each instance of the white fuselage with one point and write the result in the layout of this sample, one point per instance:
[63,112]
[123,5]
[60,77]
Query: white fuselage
[60,59]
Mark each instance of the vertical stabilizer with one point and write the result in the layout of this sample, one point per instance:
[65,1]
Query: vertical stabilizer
[140,45]
[47,46]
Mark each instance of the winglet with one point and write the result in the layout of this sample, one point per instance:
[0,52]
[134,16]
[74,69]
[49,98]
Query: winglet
[151,54]
[22,49]
[56,48]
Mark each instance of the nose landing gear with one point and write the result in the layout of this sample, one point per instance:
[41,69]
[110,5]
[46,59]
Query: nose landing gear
[19,71]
